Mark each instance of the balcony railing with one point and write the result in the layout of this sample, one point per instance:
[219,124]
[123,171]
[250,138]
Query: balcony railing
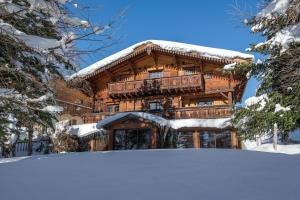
[203,112]
[95,117]
[178,113]
[158,86]
[73,109]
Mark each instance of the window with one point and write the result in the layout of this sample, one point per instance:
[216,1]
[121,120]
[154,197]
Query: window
[184,140]
[205,103]
[110,108]
[207,139]
[223,139]
[155,74]
[117,108]
[132,139]
[208,75]
[210,139]
[113,108]
[189,71]
[155,106]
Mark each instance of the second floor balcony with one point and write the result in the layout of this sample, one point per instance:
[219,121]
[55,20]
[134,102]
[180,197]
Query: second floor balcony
[73,108]
[208,112]
[164,85]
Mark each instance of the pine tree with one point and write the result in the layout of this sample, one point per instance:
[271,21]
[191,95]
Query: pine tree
[37,43]
[278,96]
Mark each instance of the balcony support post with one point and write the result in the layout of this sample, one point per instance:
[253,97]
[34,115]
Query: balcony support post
[196,139]
[154,138]
[110,140]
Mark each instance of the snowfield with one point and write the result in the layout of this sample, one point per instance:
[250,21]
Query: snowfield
[153,174]
[286,149]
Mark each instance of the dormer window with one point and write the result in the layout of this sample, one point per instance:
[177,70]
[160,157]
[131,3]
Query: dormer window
[155,74]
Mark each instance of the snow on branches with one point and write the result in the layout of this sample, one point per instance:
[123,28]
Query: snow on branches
[278,95]
[38,41]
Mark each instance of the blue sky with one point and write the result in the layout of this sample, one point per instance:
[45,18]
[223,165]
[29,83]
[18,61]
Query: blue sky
[203,22]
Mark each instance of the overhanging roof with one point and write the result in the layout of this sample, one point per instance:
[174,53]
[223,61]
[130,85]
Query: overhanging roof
[220,123]
[193,51]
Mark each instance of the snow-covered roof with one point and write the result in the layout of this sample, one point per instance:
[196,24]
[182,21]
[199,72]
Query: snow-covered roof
[174,124]
[153,118]
[201,123]
[177,47]
[83,129]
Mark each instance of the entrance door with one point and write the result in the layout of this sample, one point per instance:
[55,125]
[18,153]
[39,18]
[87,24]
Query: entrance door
[132,139]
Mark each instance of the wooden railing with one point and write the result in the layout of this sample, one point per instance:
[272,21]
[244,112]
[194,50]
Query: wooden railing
[178,113]
[95,117]
[73,109]
[139,87]
[203,112]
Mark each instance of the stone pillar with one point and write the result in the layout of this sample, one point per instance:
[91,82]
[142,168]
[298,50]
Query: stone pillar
[154,138]
[234,140]
[196,139]
[110,138]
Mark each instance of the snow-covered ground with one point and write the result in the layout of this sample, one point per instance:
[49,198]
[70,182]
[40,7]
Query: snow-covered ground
[14,159]
[153,174]
[287,149]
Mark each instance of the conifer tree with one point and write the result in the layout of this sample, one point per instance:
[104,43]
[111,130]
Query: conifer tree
[37,43]
[277,99]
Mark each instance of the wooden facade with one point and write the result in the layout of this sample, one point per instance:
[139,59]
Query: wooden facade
[75,104]
[195,86]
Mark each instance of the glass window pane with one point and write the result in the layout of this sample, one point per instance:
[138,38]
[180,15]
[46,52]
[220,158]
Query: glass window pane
[117,108]
[209,103]
[157,74]
[189,71]
[201,103]
[132,139]
[109,108]
[207,139]
[155,106]
[119,140]
[184,140]
[144,139]
[223,139]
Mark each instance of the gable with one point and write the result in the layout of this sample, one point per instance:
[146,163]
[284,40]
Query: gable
[167,47]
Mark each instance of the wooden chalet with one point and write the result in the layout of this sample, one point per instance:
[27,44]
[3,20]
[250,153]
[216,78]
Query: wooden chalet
[182,89]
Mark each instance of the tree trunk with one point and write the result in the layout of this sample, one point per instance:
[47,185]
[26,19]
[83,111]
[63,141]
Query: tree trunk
[275,138]
[30,135]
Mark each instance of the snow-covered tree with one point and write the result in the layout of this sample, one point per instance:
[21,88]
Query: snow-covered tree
[278,96]
[37,42]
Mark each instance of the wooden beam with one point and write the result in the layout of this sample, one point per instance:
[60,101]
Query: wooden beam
[224,95]
[132,66]
[111,75]
[176,60]
[196,139]
[154,138]
[154,57]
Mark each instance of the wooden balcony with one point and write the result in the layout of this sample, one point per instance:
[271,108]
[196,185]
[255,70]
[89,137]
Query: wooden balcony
[73,109]
[179,113]
[95,117]
[165,85]
[203,112]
